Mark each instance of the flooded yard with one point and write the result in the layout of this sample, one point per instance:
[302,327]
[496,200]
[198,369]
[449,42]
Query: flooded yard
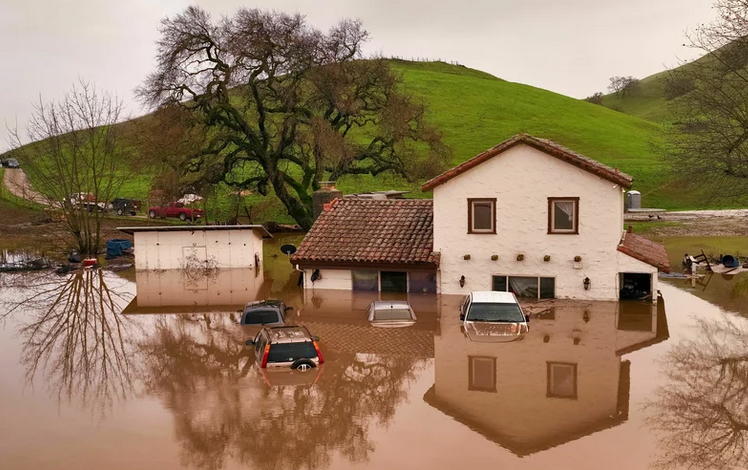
[170,384]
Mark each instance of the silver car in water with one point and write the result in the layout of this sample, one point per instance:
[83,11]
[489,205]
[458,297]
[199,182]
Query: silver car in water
[391,314]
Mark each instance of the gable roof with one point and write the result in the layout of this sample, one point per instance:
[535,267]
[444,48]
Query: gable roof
[545,146]
[371,231]
[644,250]
[524,448]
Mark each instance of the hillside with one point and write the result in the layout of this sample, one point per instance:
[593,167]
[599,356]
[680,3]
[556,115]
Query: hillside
[476,111]
[648,102]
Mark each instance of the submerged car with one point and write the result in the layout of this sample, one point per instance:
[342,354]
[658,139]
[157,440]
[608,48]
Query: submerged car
[497,308]
[482,332]
[391,314]
[265,312]
[286,347]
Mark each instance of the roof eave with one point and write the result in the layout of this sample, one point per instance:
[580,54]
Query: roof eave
[615,176]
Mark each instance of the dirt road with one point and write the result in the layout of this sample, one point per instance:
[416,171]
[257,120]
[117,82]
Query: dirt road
[18,185]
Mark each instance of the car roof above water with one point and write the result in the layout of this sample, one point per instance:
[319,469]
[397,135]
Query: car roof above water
[288,334]
[385,304]
[493,297]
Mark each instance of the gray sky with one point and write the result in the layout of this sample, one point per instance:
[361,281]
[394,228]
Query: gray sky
[567,46]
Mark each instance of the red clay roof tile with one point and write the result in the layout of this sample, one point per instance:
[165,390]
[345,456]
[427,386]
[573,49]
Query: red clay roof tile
[645,250]
[373,231]
[544,145]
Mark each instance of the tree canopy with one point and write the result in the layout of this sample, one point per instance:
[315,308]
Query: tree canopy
[284,105]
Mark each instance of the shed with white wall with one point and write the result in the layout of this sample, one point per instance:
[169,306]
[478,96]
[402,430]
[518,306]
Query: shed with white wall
[215,246]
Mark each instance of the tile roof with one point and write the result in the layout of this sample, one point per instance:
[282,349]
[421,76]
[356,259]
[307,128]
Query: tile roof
[544,145]
[645,250]
[373,231]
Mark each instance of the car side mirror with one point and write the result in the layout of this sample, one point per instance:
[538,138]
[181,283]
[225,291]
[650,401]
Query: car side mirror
[315,338]
[289,308]
[462,316]
[249,342]
[527,318]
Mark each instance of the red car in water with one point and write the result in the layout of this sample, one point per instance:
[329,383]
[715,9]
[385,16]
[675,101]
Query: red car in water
[176,209]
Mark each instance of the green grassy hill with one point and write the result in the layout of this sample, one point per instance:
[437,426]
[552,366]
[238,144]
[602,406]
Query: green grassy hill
[476,111]
[648,102]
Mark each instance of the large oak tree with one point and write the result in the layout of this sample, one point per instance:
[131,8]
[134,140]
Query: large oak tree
[708,142]
[285,105]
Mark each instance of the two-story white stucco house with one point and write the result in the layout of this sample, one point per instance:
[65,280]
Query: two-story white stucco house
[527,216]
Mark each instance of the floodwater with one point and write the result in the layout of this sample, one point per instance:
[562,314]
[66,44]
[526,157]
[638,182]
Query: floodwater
[592,385]
[728,291]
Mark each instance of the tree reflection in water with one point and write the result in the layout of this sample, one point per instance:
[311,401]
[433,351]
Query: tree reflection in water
[73,336]
[223,409]
[702,412]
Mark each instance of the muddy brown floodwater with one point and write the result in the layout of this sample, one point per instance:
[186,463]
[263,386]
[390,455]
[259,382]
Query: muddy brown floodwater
[592,385]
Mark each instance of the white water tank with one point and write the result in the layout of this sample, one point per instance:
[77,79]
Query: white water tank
[633,200]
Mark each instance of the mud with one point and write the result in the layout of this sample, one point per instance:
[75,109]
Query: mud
[592,385]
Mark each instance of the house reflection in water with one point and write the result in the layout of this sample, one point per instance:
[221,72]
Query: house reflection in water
[194,291]
[563,380]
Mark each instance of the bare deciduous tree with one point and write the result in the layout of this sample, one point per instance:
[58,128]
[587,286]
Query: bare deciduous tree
[708,144]
[75,148]
[595,98]
[73,336]
[287,105]
[701,413]
[623,86]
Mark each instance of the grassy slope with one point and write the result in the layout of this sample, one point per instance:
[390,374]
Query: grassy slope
[477,111]
[647,103]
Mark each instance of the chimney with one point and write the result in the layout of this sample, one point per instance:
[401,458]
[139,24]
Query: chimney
[323,197]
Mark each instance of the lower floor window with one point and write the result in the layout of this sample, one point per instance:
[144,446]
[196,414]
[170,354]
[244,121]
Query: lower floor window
[562,380]
[372,280]
[482,373]
[524,286]
[365,280]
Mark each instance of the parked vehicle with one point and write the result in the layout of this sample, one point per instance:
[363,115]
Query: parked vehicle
[265,312]
[11,163]
[493,308]
[286,347]
[176,209]
[85,201]
[391,314]
[122,206]
[291,377]
[482,332]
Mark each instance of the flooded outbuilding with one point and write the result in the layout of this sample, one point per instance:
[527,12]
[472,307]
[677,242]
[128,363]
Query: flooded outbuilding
[170,383]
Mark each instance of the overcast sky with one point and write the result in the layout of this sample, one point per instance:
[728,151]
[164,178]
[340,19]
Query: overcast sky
[567,46]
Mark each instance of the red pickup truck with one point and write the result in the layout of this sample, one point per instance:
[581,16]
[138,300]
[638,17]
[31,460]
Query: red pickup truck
[176,209]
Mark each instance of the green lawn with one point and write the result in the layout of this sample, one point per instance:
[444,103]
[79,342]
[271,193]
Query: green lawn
[476,111]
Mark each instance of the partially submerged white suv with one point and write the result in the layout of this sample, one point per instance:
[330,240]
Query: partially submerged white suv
[496,314]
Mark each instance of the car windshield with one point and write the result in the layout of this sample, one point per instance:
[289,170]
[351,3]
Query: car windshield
[289,352]
[260,317]
[392,314]
[495,312]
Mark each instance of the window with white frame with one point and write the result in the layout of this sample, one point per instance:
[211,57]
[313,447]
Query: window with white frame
[482,373]
[562,380]
[526,286]
[482,215]
[563,215]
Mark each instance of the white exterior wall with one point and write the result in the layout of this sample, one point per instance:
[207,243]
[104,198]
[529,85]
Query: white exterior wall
[222,248]
[522,179]
[333,279]
[520,407]
[172,288]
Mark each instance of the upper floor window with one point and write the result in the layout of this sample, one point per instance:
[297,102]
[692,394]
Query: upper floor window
[482,215]
[563,215]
